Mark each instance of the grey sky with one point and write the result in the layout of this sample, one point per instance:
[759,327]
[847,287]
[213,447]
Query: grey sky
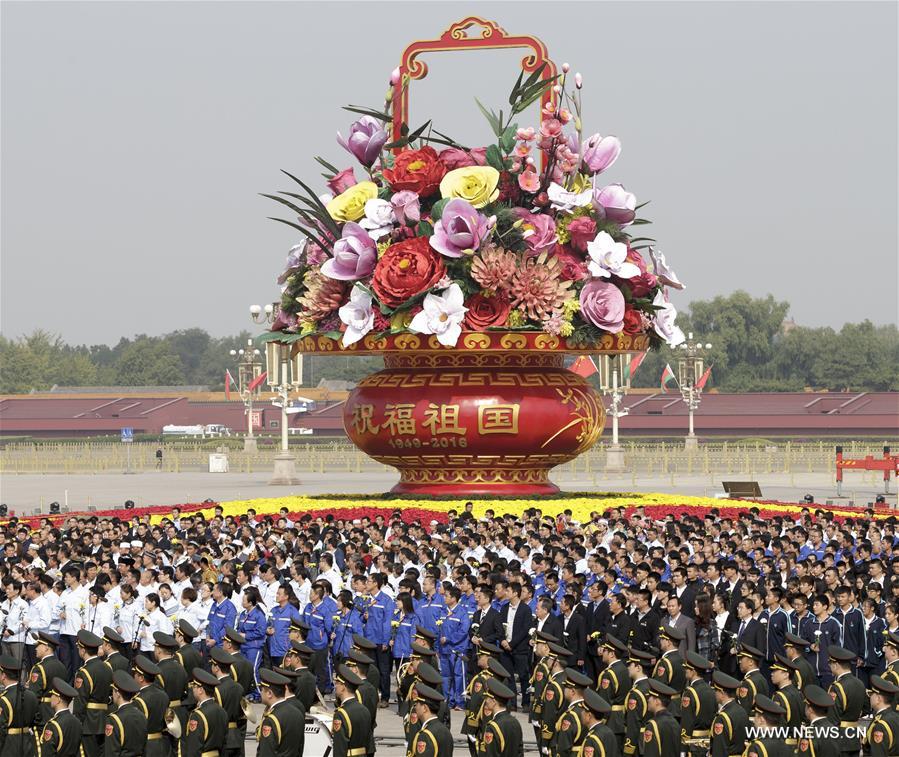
[135,137]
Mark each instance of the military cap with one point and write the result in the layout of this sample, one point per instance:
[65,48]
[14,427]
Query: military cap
[63,689]
[346,676]
[423,633]
[222,658]
[187,630]
[359,657]
[125,683]
[88,639]
[892,640]
[486,647]
[497,668]
[235,636]
[543,636]
[165,640]
[44,638]
[882,686]
[301,648]
[10,663]
[723,682]
[428,673]
[746,650]
[766,704]
[792,640]
[271,678]
[840,654]
[299,625]
[203,677]
[498,690]
[558,651]
[287,672]
[419,651]
[614,643]
[672,633]
[595,703]
[782,663]
[424,693]
[659,689]
[112,636]
[146,666]
[696,661]
[817,696]
[576,679]
[362,643]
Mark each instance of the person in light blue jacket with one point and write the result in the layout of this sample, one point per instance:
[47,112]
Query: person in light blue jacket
[404,621]
[252,624]
[347,623]
[378,614]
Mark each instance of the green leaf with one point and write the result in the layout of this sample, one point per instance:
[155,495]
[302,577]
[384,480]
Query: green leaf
[326,164]
[495,158]
[363,111]
[514,95]
[424,229]
[419,131]
[329,222]
[491,117]
[508,138]
[643,204]
[401,142]
[643,239]
[437,209]
[449,141]
[640,221]
[305,232]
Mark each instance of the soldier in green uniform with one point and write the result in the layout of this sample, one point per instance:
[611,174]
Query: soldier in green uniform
[352,723]
[599,741]
[187,654]
[126,727]
[817,738]
[767,714]
[113,643]
[729,724]
[891,656]
[61,736]
[153,702]
[368,648]
[670,667]
[289,696]
[474,705]
[796,648]
[208,722]
[418,653]
[229,694]
[359,663]
[640,666]
[753,682]
[849,698]
[553,697]
[698,705]
[615,683]
[433,738]
[44,671]
[298,658]
[788,696]
[171,677]
[428,675]
[882,736]
[570,729]
[242,669]
[502,734]
[539,676]
[94,683]
[281,732]
[661,734]
[18,711]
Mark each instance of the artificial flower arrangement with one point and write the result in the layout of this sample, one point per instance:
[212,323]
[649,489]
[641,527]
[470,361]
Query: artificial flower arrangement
[437,238]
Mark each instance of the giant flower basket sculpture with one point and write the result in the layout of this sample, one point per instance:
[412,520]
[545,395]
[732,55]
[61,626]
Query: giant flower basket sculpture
[473,271]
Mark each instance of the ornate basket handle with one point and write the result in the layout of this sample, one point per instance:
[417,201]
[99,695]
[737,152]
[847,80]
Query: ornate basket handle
[458,37]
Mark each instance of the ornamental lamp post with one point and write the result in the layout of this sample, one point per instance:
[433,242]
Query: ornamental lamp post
[689,374]
[283,373]
[615,380]
[248,368]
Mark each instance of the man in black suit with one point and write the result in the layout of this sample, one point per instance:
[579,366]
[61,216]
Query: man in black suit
[597,621]
[574,632]
[545,620]
[646,623]
[748,630]
[684,591]
[517,621]
[734,586]
[485,625]
[620,623]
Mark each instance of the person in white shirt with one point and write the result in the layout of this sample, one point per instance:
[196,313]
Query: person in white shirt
[127,616]
[37,619]
[99,611]
[52,599]
[168,603]
[154,620]
[202,607]
[301,584]
[269,588]
[188,609]
[182,580]
[147,584]
[71,608]
[327,573]
[14,609]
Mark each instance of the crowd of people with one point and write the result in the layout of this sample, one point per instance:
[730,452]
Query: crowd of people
[617,635]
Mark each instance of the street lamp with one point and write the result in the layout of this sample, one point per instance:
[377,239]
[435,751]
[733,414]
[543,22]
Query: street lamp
[615,381]
[689,373]
[249,366]
[283,373]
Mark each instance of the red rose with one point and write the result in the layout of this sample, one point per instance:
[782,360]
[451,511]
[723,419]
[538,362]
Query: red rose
[453,157]
[484,311]
[407,268]
[633,321]
[643,284]
[418,171]
[582,230]
[573,266]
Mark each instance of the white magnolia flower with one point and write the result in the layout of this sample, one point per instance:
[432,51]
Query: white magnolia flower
[562,199]
[662,271]
[379,218]
[609,257]
[358,316]
[663,321]
[442,316]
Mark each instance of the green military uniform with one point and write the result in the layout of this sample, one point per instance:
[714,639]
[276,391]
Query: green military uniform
[428,675]
[229,694]
[849,700]
[804,674]
[300,715]
[93,681]
[614,687]
[882,736]
[553,704]
[539,676]
[433,740]
[891,674]
[769,748]
[281,732]
[304,688]
[816,745]
[173,681]
[600,742]
[661,736]
[670,671]
[751,686]
[153,702]
[570,731]
[474,707]
[18,714]
[350,729]
[698,707]
[41,680]
[125,732]
[369,697]
[189,658]
[790,698]
[729,730]
[636,709]
[502,737]
[242,672]
[61,736]
[205,731]
[117,661]
[404,692]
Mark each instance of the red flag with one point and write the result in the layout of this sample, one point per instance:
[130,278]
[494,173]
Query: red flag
[635,362]
[584,366]
[705,377]
[256,382]
[667,377]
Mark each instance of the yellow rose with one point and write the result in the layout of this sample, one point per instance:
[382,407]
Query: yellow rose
[474,184]
[350,205]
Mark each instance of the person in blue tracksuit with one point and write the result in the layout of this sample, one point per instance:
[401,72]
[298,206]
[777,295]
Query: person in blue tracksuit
[826,631]
[320,622]
[222,614]
[873,660]
[453,644]
[852,627]
[432,606]
[282,614]
[403,624]
[347,623]
[252,624]
[378,615]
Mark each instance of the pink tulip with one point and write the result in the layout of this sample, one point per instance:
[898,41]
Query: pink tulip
[615,203]
[342,181]
[600,152]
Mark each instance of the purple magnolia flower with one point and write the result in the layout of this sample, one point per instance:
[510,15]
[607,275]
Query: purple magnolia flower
[602,304]
[460,231]
[615,203]
[367,137]
[406,207]
[539,230]
[355,255]
[600,152]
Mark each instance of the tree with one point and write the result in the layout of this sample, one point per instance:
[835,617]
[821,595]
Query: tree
[149,362]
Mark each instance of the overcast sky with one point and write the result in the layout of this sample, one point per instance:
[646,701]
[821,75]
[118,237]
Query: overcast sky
[136,136]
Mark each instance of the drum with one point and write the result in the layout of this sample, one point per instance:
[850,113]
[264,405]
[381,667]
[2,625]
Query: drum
[318,735]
